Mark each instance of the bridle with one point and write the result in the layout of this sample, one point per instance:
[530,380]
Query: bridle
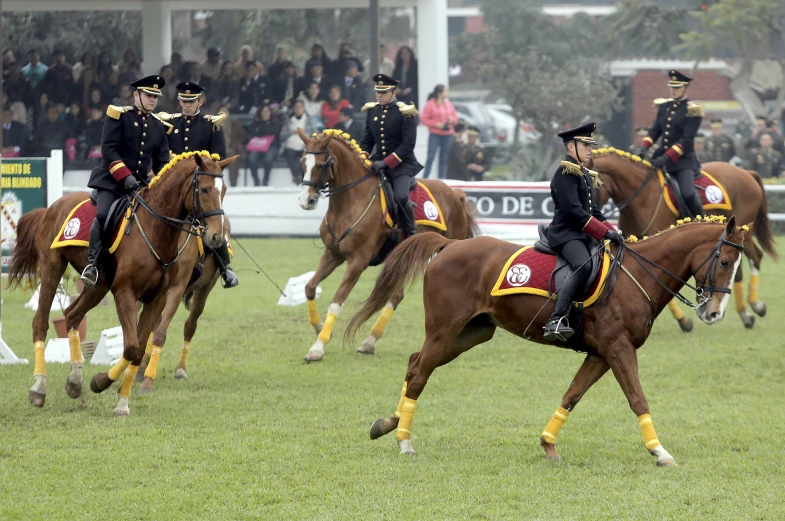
[322,184]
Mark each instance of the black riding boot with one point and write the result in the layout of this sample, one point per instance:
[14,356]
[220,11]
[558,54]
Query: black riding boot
[557,328]
[407,220]
[90,274]
[222,255]
[696,206]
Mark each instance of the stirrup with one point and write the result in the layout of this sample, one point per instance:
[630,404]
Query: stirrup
[228,282]
[85,277]
[561,332]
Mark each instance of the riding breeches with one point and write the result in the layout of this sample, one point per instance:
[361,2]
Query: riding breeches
[103,203]
[577,254]
[686,180]
[401,184]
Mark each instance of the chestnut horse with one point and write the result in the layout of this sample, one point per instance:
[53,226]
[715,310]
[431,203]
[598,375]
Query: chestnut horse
[143,265]
[635,188]
[460,311]
[193,295]
[354,229]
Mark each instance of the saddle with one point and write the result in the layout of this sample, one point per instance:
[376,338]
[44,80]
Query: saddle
[116,213]
[563,268]
[683,208]
[393,208]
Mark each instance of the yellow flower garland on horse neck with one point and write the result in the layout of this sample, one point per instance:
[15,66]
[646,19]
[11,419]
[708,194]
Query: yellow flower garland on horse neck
[351,143]
[621,153]
[176,159]
[709,219]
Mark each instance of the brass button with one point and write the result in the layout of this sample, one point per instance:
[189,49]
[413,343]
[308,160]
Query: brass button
[666,132]
[669,119]
[144,134]
[140,162]
[382,135]
[141,153]
[187,130]
[188,121]
[186,148]
[668,125]
[143,142]
[673,112]
[145,125]
[186,139]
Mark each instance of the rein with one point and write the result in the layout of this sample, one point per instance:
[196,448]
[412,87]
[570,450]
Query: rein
[637,192]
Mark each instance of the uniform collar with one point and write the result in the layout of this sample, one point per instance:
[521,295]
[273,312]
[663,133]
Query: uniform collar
[572,160]
[392,102]
[192,117]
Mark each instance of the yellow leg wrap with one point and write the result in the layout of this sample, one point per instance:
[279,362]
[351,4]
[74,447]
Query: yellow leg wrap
[738,295]
[40,364]
[752,298]
[555,425]
[128,381]
[407,415]
[327,330]
[75,345]
[647,429]
[313,313]
[117,369]
[184,355]
[675,310]
[152,365]
[149,349]
[378,328]
[400,402]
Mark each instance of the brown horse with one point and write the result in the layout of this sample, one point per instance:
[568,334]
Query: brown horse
[460,311]
[636,190]
[354,229]
[193,295]
[141,268]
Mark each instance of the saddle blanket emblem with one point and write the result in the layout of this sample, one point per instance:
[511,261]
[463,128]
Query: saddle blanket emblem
[527,271]
[426,210]
[712,193]
[75,230]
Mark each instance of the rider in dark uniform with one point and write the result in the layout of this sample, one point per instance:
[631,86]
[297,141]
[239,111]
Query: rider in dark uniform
[677,121]
[193,131]
[577,222]
[133,140]
[391,126]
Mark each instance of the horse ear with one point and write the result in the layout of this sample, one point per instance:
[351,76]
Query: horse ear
[303,136]
[223,163]
[199,160]
[731,226]
[326,141]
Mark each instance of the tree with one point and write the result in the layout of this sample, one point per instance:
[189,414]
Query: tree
[647,28]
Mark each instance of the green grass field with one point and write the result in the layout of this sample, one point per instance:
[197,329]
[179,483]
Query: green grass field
[254,433]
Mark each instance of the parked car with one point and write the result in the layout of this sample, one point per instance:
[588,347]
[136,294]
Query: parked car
[475,113]
[505,125]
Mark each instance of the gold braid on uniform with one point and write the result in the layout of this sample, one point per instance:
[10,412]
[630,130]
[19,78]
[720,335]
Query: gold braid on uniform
[176,159]
[694,110]
[572,168]
[408,111]
[347,140]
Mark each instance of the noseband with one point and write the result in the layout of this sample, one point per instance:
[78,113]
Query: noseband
[322,183]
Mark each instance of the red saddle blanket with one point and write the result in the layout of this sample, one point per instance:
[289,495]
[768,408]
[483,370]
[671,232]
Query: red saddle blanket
[75,230]
[426,210]
[528,271]
[712,193]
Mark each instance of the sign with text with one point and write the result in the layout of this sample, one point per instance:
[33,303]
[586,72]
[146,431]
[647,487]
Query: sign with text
[23,190]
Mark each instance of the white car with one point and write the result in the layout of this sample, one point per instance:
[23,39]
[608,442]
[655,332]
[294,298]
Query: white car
[505,125]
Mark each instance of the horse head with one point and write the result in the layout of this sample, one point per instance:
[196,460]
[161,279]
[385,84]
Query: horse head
[317,168]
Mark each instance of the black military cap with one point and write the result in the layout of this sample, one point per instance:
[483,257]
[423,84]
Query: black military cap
[700,139]
[582,134]
[677,79]
[150,85]
[214,51]
[460,127]
[716,123]
[189,91]
[642,131]
[472,130]
[382,83]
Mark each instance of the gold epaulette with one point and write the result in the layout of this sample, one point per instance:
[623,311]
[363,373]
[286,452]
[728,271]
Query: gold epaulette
[570,168]
[114,111]
[407,110]
[368,106]
[168,126]
[694,110]
[660,101]
[216,120]
[165,116]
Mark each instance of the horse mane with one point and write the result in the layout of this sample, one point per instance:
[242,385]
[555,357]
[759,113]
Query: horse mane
[632,158]
[175,160]
[709,219]
[351,145]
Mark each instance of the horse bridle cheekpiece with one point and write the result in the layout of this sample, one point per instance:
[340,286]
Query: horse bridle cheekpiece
[711,270]
[322,184]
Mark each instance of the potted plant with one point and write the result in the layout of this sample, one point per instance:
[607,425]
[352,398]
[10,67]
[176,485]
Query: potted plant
[62,296]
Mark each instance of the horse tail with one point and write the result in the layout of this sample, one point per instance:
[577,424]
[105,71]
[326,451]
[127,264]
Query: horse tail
[24,263]
[472,228]
[401,269]
[188,299]
[762,227]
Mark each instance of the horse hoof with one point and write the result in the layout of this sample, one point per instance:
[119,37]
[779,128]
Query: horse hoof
[314,356]
[406,447]
[667,462]
[37,399]
[366,348]
[100,382]
[122,407]
[377,429]
[686,324]
[759,308]
[747,319]
[148,385]
[180,374]
[73,389]
[550,450]
[140,373]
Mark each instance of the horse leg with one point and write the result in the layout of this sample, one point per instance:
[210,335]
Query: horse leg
[738,294]
[125,303]
[148,350]
[685,323]
[52,268]
[367,347]
[327,265]
[754,255]
[157,339]
[189,330]
[74,314]
[353,271]
[623,361]
[591,370]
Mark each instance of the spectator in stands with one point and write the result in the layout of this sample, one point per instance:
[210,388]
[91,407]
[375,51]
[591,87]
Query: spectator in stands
[176,63]
[266,152]
[476,158]
[125,98]
[59,79]
[313,106]
[316,75]
[352,87]
[34,71]
[84,86]
[50,134]
[406,72]
[264,83]
[440,117]
[93,134]
[279,63]
[234,134]
[293,145]
[225,86]
[765,160]
[386,66]
[112,87]
[192,72]
[168,100]
[104,68]
[87,60]
[346,53]
[350,125]
[14,134]
[39,110]
[99,99]
[133,66]
[249,97]
[246,55]
[287,86]
[772,127]
[456,164]
[76,119]
[331,109]
[16,87]
[8,59]
[212,67]
[319,55]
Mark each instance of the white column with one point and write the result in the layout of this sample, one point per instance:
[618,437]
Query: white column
[156,35]
[432,46]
